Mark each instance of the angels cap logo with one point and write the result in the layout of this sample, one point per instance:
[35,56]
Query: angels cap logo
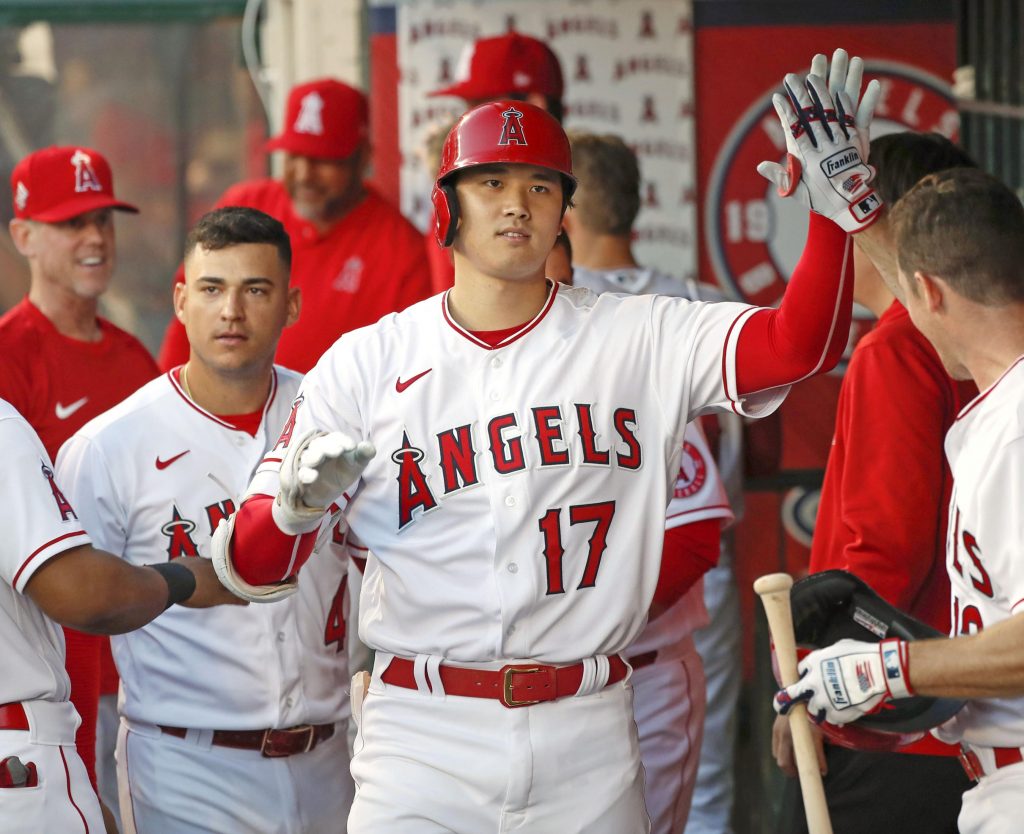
[521,79]
[310,118]
[21,196]
[85,176]
[512,132]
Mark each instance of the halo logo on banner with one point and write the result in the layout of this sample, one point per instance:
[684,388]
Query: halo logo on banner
[310,118]
[85,176]
[754,236]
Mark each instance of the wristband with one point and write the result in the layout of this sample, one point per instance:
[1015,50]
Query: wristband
[181,582]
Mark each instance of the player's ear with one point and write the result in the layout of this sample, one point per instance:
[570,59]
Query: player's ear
[21,234]
[180,292]
[932,289]
[294,305]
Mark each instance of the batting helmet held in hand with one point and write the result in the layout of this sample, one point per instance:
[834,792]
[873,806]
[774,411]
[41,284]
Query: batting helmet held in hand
[834,605]
[496,133]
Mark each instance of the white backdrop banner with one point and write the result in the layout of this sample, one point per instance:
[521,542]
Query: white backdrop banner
[628,70]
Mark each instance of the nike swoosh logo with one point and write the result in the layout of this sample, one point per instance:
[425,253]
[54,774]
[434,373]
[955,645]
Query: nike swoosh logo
[65,411]
[163,464]
[401,386]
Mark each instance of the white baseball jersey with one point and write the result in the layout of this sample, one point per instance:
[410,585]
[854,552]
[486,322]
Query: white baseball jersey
[156,475]
[985,542]
[516,504]
[698,493]
[38,524]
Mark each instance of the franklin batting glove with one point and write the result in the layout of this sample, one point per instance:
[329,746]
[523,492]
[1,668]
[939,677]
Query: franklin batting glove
[826,164]
[848,680]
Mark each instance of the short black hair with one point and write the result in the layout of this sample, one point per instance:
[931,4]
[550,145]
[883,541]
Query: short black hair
[904,159]
[233,225]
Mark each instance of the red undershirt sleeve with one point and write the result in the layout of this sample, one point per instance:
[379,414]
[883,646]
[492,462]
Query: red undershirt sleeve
[261,553]
[807,334]
[690,551]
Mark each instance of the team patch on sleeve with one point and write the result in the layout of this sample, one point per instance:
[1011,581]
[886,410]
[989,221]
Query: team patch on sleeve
[63,505]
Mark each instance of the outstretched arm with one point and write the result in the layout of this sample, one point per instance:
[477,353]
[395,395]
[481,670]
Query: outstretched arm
[827,131]
[807,334]
[99,593]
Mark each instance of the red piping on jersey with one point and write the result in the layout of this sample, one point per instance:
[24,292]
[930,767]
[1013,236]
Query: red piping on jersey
[36,552]
[702,510]
[514,337]
[725,362]
[176,385]
[970,406]
[67,776]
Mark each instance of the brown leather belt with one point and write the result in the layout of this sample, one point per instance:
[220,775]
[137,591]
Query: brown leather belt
[1003,756]
[643,659]
[515,685]
[273,744]
[13,717]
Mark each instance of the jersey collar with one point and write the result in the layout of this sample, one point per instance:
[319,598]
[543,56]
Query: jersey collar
[512,337]
[172,377]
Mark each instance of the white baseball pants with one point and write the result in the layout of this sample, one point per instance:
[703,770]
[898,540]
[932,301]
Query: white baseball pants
[188,786]
[63,800]
[669,709]
[996,804]
[718,644]
[430,763]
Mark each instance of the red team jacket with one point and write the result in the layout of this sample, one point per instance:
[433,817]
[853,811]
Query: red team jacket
[887,485]
[372,262]
[59,384]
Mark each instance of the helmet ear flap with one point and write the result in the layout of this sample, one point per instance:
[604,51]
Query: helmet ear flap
[446,213]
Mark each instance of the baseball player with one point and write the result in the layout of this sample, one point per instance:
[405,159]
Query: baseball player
[668,677]
[529,436]
[895,406]
[57,352]
[52,574]
[355,257]
[233,719]
[959,235]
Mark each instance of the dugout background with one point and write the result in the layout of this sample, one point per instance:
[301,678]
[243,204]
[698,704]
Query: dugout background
[180,95]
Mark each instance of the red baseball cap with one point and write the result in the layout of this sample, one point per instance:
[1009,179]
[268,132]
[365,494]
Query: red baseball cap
[507,64]
[324,119]
[57,183]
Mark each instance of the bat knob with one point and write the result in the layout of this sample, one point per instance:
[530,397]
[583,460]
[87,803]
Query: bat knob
[772,583]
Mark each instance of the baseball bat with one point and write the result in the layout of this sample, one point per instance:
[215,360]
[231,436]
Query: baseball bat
[773,589]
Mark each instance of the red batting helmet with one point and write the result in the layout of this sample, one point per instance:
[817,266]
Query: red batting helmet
[498,132]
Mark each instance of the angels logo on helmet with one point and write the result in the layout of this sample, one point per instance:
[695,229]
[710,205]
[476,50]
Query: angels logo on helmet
[512,132]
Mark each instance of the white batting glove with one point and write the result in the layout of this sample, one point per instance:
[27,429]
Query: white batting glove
[826,166]
[317,468]
[847,680]
[845,74]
